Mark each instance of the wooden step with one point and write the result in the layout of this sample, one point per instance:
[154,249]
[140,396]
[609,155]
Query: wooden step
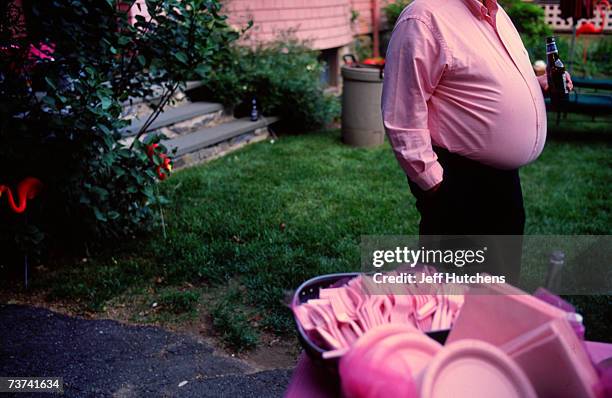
[212,135]
[173,115]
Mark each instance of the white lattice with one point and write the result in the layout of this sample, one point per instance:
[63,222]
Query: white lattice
[552,11]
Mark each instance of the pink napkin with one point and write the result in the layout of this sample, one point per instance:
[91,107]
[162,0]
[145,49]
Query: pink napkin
[534,333]
[555,361]
[499,313]
[342,314]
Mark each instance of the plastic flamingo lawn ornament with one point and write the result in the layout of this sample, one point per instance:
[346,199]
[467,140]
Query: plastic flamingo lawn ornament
[589,28]
[27,189]
[165,167]
[163,170]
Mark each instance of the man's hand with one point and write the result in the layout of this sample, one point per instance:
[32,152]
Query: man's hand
[570,83]
[543,80]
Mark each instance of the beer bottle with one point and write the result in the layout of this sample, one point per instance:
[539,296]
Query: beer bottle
[555,72]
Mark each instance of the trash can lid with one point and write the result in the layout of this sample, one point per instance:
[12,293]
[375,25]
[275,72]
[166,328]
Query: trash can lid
[363,74]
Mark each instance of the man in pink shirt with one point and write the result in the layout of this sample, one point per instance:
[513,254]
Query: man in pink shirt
[463,110]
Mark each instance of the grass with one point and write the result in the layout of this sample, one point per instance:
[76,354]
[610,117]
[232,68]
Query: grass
[179,302]
[233,320]
[255,224]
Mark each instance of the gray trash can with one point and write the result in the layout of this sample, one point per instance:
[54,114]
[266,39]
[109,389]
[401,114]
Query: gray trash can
[362,123]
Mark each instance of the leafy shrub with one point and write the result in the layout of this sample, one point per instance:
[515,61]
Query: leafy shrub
[394,9]
[362,47]
[599,58]
[60,111]
[285,79]
[599,53]
[528,18]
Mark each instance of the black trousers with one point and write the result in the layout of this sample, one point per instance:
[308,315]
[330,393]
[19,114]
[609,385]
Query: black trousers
[478,200]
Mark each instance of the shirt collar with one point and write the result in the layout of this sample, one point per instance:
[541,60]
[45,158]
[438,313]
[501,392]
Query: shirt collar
[480,10]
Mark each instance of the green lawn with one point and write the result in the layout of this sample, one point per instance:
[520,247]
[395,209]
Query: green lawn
[245,229]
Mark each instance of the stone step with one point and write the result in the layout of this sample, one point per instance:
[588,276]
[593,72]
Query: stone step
[173,115]
[192,85]
[206,137]
[157,92]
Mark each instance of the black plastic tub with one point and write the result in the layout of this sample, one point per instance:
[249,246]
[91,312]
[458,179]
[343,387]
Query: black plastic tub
[310,290]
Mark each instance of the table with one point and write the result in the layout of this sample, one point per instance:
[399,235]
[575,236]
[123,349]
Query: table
[309,381]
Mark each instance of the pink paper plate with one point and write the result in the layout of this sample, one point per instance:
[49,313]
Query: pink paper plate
[474,369]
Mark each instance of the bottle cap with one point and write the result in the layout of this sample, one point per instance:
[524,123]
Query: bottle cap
[550,39]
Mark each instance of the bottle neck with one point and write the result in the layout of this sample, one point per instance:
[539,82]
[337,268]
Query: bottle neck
[552,54]
[552,57]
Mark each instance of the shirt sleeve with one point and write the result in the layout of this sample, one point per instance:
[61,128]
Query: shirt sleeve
[414,64]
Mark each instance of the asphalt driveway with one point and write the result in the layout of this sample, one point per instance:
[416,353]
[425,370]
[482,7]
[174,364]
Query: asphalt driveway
[108,358]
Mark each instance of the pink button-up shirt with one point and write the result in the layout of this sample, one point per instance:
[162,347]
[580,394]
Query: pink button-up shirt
[458,76]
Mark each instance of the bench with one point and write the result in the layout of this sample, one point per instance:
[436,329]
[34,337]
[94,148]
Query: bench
[597,84]
[595,103]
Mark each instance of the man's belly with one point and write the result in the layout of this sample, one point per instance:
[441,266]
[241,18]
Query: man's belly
[496,123]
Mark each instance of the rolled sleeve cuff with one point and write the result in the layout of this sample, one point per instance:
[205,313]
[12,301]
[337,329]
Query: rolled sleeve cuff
[430,177]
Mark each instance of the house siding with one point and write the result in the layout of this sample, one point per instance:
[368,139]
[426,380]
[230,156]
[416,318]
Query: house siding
[363,24]
[323,23]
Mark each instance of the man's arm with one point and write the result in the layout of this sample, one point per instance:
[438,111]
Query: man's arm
[414,64]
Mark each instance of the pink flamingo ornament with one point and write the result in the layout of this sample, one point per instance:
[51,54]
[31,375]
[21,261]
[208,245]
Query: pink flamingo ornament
[589,28]
[27,189]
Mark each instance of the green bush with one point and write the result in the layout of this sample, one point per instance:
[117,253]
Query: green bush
[361,47]
[285,79]
[528,18]
[60,114]
[599,56]
[394,9]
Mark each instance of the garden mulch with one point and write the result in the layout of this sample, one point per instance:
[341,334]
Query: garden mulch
[108,358]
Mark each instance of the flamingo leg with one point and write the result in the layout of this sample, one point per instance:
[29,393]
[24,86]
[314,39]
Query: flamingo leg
[26,269]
